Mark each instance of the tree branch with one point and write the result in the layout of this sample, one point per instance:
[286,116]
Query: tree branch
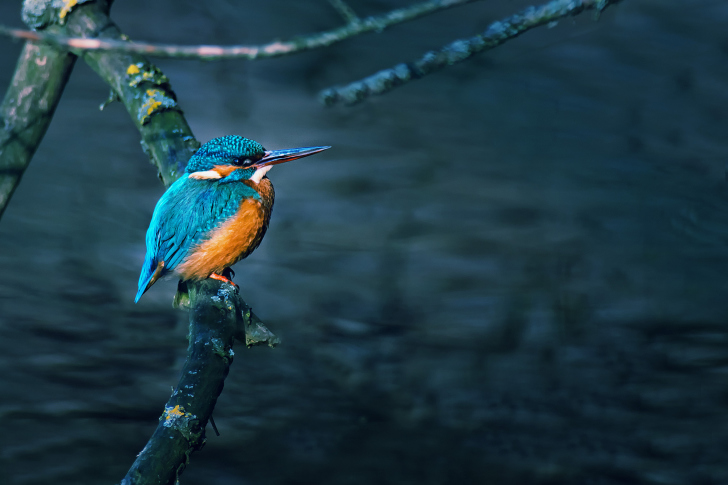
[249,328]
[30,101]
[460,50]
[247,52]
[142,88]
[214,323]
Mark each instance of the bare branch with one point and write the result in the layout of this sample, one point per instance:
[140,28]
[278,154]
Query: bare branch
[217,314]
[247,52]
[460,50]
[27,109]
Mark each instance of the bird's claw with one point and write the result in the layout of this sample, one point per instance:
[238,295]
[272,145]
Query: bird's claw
[218,277]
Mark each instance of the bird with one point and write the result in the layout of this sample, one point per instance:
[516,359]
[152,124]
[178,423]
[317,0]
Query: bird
[216,213]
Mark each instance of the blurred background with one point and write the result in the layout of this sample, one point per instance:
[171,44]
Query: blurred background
[511,271]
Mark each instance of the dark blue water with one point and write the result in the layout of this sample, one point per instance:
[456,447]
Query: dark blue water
[511,271]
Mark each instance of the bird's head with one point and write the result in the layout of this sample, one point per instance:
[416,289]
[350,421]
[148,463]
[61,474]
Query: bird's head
[231,158]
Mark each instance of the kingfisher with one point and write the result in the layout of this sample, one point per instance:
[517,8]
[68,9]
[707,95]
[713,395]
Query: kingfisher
[215,214]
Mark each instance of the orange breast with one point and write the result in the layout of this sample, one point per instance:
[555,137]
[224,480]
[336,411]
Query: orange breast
[229,243]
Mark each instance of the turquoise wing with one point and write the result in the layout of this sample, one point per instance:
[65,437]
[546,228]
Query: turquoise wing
[184,216]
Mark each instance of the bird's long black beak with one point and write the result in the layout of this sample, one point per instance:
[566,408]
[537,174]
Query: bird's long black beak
[274,157]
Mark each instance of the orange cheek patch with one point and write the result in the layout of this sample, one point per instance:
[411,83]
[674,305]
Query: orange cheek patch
[225,170]
[228,244]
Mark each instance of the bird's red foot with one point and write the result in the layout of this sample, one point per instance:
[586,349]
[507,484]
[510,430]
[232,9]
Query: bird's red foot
[218,277]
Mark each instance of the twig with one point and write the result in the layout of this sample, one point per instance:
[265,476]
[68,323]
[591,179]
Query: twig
[249,52]
[460,50]
[345,11]
[214,426]
[27,109]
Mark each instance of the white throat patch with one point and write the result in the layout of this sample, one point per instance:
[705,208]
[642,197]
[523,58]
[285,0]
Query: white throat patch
[260,173]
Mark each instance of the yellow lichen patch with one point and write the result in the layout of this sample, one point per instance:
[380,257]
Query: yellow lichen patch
[140,73]
[152,103]
[175,412]
[185,423]
[67,6]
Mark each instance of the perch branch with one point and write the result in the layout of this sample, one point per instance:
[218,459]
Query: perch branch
[496,34]
[26,111]
[181,429]
[249,52]
[214,323]
[249,328]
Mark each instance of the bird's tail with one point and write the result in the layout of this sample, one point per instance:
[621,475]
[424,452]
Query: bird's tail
[150,274]
[142,290]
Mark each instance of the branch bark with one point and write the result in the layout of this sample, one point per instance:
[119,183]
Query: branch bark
[30,101]
[181,428]
[459,50]
[214,323]
[142,88]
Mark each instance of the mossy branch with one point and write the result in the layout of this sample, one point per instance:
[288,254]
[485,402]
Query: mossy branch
[377,23]
[217,316]
[496,34]
[30,101]
[140,86]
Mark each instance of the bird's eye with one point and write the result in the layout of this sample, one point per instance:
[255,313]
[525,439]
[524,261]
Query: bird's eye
[242,162]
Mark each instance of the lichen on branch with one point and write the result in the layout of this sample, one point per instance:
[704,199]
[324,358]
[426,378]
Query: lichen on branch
[214,314]
[39,14]
[143,89]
